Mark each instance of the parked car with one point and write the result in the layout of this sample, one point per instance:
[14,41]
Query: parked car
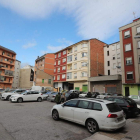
[7,95]
[84,94]
[71,95]
[92,113]
[92,94]
[136,98]
[52,96]
[128,105]
[103,95]
[27,96]
[46,94]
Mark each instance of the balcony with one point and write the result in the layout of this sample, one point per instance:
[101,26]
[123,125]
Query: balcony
[69,67]
[8,56]
[7,62]
[6,82]
[69,51]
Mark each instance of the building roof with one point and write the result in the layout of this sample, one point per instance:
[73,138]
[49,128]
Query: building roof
[18,60]
[111,43]
[78,43]
[43,56]
[1,47]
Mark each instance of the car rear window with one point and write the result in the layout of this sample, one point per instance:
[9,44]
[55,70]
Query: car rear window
[113,107]
[130,101]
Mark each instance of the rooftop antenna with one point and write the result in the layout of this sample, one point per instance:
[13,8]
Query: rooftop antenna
[134,15]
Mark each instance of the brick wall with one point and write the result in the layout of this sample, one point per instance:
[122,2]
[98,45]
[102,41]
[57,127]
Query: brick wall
[96,57]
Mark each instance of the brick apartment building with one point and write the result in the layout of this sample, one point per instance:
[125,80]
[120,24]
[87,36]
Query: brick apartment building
[7,67]
[130,55]
[44,70]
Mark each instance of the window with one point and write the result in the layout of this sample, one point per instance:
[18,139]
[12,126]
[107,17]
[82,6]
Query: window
[59,55]
[55,63]
[49,81]
[138,44]
[113,48]
[58,70]
[84,54]
[75,48]
[126,34]
[108,63]
[3,53]
[113,58]
[97,106]
[138,29]
[71,103]
[64,60]
[54,78]
[84,74]
[129,61]
[64,52]
[75,75]
[34,92]
[118,56]
[114,65]
[55,56]
[59,62]
[119,64]
[54,70]
[64,68]
[84,45]
[118,46]
[6,66]
[113,107]
[75,66]
[75,57]
[139,58]
[58,77]
[63,76]
[69,58]
[107,53]
[42,80]
[84,64]
[108,72]
[83,104]
[10,67]
[69,75]
[119,101]
[129,75]
[128,47]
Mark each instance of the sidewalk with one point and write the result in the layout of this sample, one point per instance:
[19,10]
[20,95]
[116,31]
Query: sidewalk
[130,132]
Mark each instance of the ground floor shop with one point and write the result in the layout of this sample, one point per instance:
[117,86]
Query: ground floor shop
[81,86]
[131,89]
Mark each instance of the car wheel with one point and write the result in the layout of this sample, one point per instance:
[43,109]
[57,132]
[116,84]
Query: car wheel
[20,100]
[55,115]
[39,99]
[92,126]
[8,97]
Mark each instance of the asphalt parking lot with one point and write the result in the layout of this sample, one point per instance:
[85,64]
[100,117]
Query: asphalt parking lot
[33,121]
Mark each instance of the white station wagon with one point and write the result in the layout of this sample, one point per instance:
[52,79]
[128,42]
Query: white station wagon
[92,113]
[27,96]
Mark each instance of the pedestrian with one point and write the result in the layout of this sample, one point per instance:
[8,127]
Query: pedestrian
[89,94]
[58,98]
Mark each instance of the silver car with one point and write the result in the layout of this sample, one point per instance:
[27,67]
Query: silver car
[51,96]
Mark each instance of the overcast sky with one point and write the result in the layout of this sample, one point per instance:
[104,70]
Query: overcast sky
[34,27]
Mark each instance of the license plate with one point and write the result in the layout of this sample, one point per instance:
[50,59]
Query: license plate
[120,119]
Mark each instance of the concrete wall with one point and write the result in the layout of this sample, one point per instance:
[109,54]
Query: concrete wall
[16,80]
[25,78]
[114,51]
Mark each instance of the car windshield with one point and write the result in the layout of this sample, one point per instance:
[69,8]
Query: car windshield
[113,107]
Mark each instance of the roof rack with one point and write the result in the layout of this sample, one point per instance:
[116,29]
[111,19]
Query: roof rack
[95,99]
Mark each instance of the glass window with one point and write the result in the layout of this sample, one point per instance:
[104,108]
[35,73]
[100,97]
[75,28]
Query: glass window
[75,57]
[134,97]
[128,47]
[71,103]
[34,92]
[128,60]
[84,54]
[75,48]
[113,58]
[49,81]
[54,78]
[108,63]
[69,75]
[64,68]
[58,70]
[113,48]
[118,56]
[59,55]
[69,58]
[84,64]
[64,52]
[55,56]
[75,66]
[129,75]
[64,60]
[90,105]
[138,44]
[97,106]
[83,104]
[108,72]
[84,45]
[119,101]
[54,70]
[107,53]
[127,34]
[59,62]
[138,29]
[63,76]
[75,75]
[84,74]
[114,65]
[113,107]
[118,46]
[58,77]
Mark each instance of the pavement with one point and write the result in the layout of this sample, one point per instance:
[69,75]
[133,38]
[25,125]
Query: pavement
[33,121]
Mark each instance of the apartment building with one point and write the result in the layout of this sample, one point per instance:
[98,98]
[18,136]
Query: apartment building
[44,70]
[7,67]
[73,64]
[112,59]
[16,79]
[130,57]
[26,77]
